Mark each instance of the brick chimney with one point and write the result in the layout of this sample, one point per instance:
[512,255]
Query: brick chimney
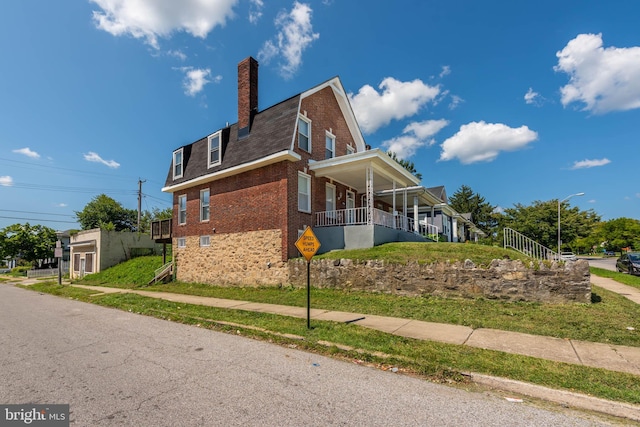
[247,95]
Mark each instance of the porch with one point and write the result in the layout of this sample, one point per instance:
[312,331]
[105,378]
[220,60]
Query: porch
[382,210]
[373,216]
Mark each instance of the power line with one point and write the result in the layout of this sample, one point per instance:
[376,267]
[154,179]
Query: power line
[37,213]
[38,219]
[31,165]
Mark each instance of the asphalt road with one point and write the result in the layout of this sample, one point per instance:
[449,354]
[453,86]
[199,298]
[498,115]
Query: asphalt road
[116,368]
[604,263]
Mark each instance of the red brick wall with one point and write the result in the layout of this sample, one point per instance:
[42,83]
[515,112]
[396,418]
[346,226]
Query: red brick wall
[267,198]
[255,200]
[323,111]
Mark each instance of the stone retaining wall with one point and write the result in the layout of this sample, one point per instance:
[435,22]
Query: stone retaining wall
[508,280]
[249,259]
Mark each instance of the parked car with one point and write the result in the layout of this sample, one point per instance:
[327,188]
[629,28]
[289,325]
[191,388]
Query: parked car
[609,253]
[568,256]
[629,263]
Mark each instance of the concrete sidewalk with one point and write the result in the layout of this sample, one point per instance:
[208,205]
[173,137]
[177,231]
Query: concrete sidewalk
[597,355]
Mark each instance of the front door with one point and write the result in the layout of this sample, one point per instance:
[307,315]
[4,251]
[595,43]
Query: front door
[351,204]
[83,266]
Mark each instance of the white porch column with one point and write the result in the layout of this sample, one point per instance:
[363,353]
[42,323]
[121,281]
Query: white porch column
[393,209]
[454,229]
[416,223]
[369,179]
[405,226]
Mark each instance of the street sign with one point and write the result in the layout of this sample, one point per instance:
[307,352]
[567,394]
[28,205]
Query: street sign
[308,244]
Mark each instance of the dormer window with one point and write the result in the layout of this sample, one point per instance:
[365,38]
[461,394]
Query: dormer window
[177,164]
[304,133]
[215,144]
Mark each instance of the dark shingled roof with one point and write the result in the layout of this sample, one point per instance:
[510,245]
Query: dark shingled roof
[439,192]
[272,131]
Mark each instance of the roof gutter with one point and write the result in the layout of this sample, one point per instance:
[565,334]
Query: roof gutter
[286,155]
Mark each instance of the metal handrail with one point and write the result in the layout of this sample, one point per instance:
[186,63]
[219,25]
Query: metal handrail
[523,244]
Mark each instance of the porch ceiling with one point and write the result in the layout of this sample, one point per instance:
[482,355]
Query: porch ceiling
[351,170]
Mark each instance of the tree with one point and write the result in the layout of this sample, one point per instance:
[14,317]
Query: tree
[540,222]
[405,164]
[464,200]
[104,212]
[618,233]
[32,243]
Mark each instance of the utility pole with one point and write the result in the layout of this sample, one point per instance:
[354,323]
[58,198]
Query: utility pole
[140,182]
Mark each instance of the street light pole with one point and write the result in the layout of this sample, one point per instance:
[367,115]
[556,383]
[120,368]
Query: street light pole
[559,203]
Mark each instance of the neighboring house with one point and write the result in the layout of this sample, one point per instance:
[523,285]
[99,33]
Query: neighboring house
[95,250]
[243,194]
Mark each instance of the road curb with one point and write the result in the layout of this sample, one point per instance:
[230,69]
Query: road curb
[562,397]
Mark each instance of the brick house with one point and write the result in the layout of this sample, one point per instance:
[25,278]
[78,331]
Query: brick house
[243,194]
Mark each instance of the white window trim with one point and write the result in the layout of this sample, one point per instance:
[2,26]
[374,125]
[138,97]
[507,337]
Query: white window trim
[209,139]
[308,121]
[185,209]
[182,242]
[350,148]
[333,144]
[308,191]
[205,241]
[181,151]
[208,205]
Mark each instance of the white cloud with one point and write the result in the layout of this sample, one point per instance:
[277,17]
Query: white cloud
[294,36]
[531,97]
[151,19]
[396,100]
[482,142]
[590,163]
[6,181]
[603,79]
[27,152]
[255,10]
[446,70]
[195,79]
[61,205]
[426,129]
[94,157]
[177,54]
[414,136]
[455,101]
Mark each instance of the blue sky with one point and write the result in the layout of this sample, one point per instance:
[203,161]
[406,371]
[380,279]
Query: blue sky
[521,101]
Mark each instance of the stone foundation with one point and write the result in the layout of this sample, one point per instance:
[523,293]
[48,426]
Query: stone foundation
[249,259]
[503,280]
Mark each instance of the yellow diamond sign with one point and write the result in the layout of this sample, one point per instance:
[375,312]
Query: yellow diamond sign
[308,244]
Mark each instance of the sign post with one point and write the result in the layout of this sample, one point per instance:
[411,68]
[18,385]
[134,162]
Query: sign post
[308,244]
[58,254]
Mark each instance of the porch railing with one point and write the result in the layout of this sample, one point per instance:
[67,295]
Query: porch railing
[358,216]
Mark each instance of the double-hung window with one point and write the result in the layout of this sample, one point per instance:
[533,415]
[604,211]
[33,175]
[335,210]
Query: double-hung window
[182,209]
[304,192]
[350,150]
[214,150]
[304,133]
[204,205]
[177,164]
[330,146]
